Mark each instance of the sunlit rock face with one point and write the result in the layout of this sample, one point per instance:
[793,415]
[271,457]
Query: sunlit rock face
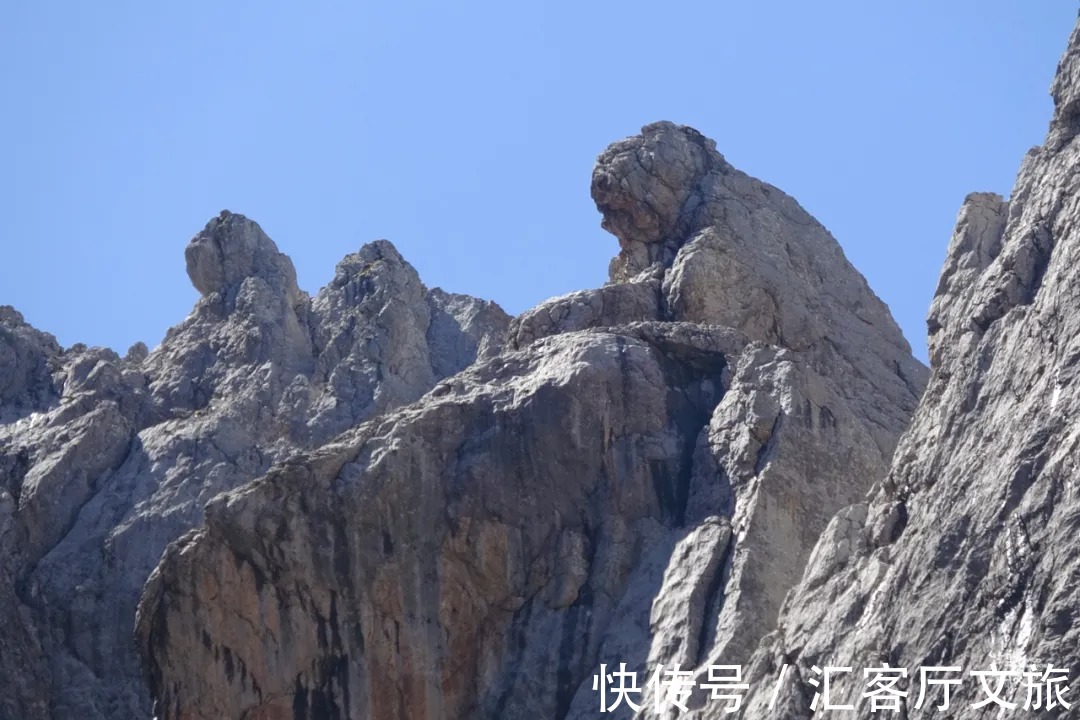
[638,475]
[966,554]
[105,460]
[390,502]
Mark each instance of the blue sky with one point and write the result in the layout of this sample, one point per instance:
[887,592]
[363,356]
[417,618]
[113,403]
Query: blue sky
[466,132]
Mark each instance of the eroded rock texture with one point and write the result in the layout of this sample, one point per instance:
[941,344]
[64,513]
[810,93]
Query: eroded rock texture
[966,554]
[638,477]
[105,460]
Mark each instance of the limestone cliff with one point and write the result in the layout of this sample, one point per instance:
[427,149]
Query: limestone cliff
[638,476]
[105,460]
[389,502]
[966,555]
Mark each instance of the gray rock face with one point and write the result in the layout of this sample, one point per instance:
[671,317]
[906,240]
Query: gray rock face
[104,461]
[966,554]
[638,477]
[25,358]
[26,385]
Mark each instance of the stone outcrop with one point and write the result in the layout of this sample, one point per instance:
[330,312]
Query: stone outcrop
[26,365]
[27,361]
[105,460]
[391,502]
[965,555]
[638,476]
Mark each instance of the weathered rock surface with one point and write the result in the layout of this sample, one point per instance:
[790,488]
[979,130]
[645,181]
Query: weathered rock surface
[638,477]
[104,461]
[966,554]
[27,359]
[25,373]
[392,502]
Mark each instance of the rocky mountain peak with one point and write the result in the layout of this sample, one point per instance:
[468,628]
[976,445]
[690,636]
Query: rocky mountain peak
[377,268]
[638,476]
[366,259]
[732,250]
[1066,94]
[26,358]
[392,502]
[966,555]
[231,249]
[647,188]
[976,243]
[104,461]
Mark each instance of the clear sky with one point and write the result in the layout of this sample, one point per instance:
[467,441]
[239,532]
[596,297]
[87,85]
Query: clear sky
[465,132]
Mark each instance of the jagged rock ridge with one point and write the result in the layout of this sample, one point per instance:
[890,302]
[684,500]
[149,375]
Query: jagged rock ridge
[639,476]
[105,460]
[965,555]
